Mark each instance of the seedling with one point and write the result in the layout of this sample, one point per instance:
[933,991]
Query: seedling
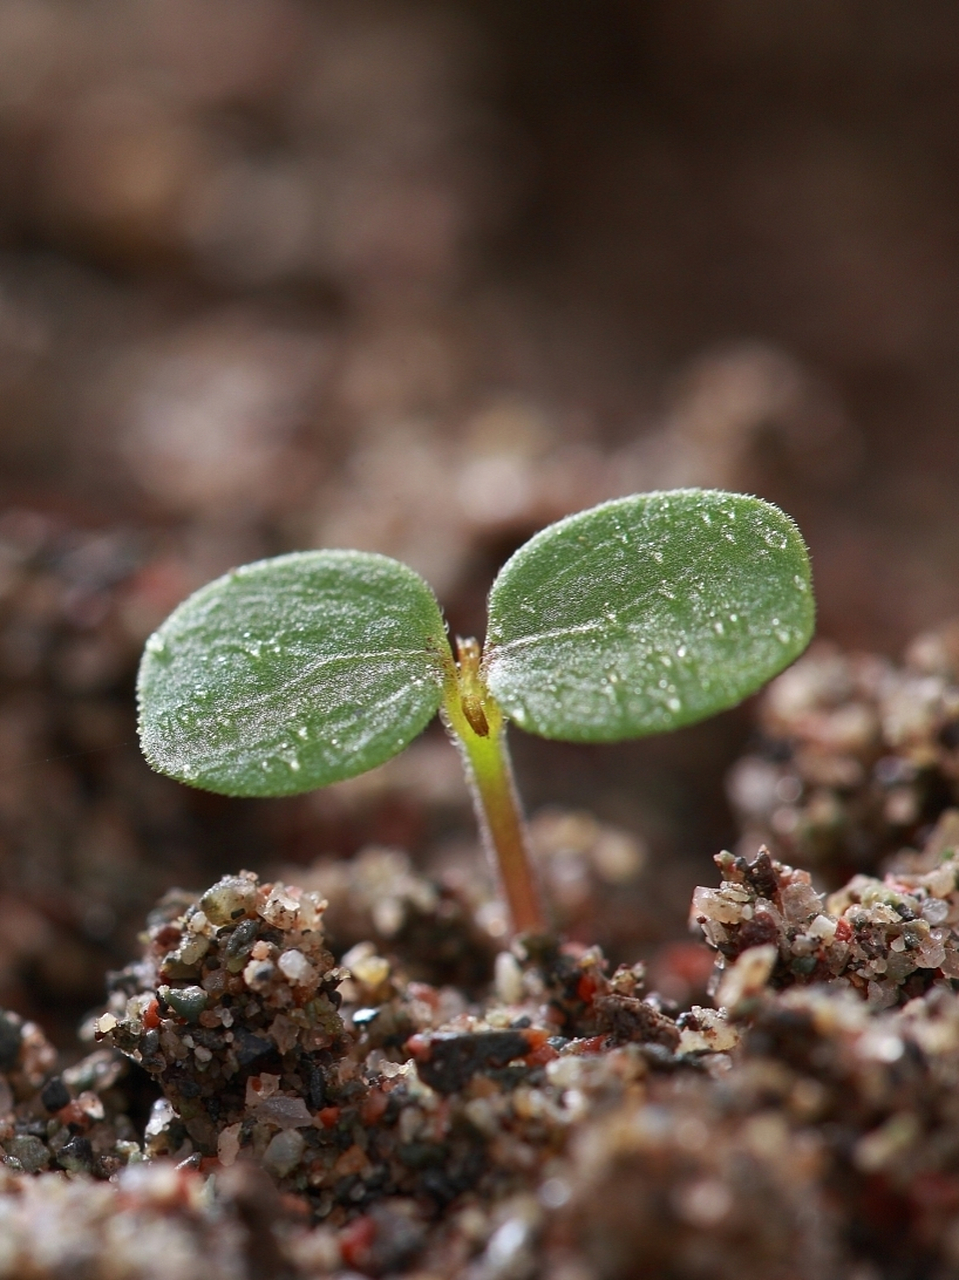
[639,615]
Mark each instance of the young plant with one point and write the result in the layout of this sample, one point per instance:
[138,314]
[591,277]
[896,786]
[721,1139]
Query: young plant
[639,615]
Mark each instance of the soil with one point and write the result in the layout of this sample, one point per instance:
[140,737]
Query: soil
[351,1075]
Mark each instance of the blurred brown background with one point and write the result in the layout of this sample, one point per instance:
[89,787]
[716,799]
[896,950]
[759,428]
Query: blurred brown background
[420,278]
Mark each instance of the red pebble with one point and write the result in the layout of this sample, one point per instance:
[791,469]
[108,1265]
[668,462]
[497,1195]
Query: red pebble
[151,1017]
[423,991]
[295,1206]
[418,1047]
[586,988]
[539,1057]
[356,1240]
[73,1116]
[328,1117]
[373,1107]
[690,962]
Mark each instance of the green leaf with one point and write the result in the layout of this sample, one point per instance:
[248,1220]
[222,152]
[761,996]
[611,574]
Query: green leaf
[647,613]
[292,673]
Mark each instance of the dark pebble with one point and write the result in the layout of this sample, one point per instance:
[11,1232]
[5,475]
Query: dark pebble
[454,1059]
[422,1155]
[76,1155]
[397,1241]
[249,1047]
[435,1183]
[343,1191]
[54,1095]
[242,938]
[658,1055]
[9,1043]
[317,1089]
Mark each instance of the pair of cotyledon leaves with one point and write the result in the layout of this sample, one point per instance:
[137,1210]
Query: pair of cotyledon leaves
[640,615]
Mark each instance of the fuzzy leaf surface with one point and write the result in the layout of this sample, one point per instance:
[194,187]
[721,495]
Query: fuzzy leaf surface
[292,673]
[647,613]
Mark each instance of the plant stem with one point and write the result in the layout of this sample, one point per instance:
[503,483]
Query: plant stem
[478,728]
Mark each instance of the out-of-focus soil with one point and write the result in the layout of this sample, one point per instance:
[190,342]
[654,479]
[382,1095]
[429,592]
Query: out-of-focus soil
[419,278]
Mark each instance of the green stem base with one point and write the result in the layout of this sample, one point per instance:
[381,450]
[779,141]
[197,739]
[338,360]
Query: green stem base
[468,710]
